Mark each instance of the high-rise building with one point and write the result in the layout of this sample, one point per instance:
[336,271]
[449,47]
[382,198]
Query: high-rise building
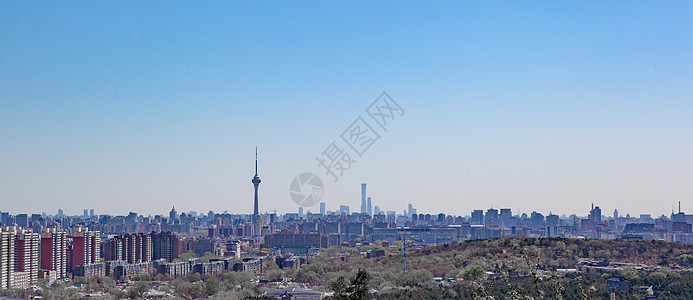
[6,259]
[370,207]
[376,210]
[364,208]
[54,251]
[300,211]
[477,217]
[441,218]
[165,245]
[595,214]
[172,215]
[85,248]
[505,217]
[131,218]
[615,214]
[410,209]
[552,220]
[22,220]
[343,210]
[491,217]
[133,248]
[5,219]
[322,208]
[27,254]
[113,249]
[86,213]
[537,219]
[60,213]
[19,250]
[91,212]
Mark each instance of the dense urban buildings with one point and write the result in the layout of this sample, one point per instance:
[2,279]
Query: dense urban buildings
[54,246]
[90,245]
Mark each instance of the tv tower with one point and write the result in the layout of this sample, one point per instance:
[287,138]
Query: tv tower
[256,183]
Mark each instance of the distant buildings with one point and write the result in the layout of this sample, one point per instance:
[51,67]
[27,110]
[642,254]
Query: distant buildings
[506,218]
[491,217]
[135,243]
[364,208]
[370,207]
[172,215]
[595,214]
[477,217]
[411,210]
[297,243]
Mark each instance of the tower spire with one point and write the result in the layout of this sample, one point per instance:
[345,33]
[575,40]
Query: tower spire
[257,219]
[256,183]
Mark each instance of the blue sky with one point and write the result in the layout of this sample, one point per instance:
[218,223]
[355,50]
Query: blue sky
[547,106]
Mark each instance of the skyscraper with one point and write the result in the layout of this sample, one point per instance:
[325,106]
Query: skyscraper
[22,220]
[322,208]
[172,215]
[54,251]
[364,208]
[133,248]
[505,217]
[537,219]
[477,217]
[85,247]
[491,217]
[165,245]
[410,209]
[27,253]
[595,214]
[4,218]
[370,208]
[6,259]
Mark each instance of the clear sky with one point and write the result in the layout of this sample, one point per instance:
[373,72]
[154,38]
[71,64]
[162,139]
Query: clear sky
[533,105]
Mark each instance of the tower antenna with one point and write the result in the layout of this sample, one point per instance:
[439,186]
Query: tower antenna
[256,183]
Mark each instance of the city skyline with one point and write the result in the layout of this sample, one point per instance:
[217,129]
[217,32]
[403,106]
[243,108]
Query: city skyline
[127,107]
[407,212]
